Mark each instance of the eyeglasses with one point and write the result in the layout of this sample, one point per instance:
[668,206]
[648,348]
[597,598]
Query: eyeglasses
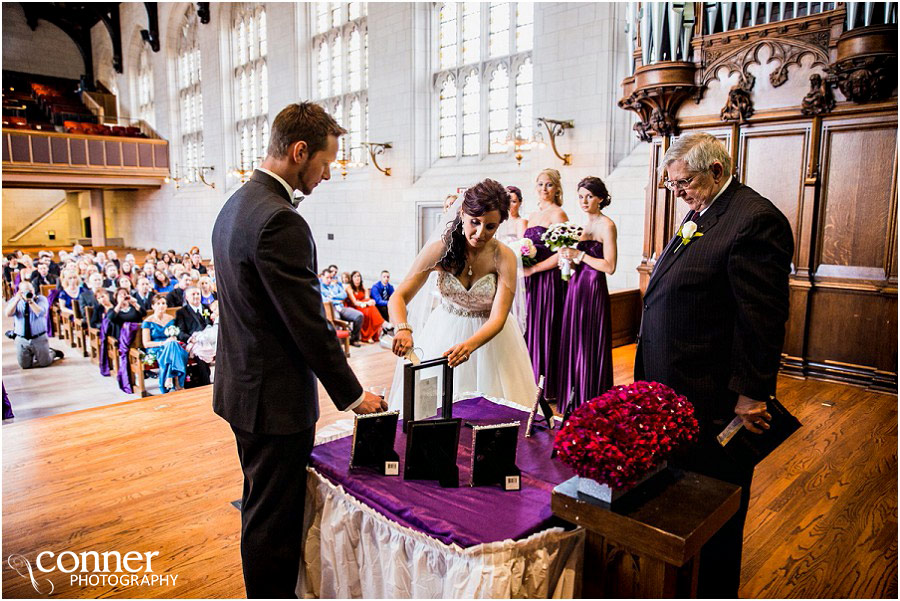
[679,184]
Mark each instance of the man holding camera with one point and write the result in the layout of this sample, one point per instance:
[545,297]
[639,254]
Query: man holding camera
[29,313]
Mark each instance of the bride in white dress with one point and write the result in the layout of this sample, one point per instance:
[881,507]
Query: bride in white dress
[467,317]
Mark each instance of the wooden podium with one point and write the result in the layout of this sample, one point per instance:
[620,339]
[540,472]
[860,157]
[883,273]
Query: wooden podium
[649,546]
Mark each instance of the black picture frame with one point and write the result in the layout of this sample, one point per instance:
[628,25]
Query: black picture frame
[432,447]
[409,389]
[494,455]
[374,435]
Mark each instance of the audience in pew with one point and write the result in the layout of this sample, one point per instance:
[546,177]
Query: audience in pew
[122,290]
[99,309]
[71,289]
[334,293]
[381,293]
[143,293]
[160,341]
[358,298]
[42,276]
[126,309]
[175,298]
[162,283]
[208,294]
[192,319]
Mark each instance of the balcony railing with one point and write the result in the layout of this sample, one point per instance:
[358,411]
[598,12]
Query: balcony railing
[32,157]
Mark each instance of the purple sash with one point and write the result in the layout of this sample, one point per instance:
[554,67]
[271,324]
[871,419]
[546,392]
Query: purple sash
[51,300]
[126,337]
[7,406]
[104,357]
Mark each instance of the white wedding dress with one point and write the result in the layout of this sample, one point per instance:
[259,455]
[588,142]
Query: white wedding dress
[500,368]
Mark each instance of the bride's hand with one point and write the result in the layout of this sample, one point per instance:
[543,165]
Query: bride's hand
[460,353]
[403,341]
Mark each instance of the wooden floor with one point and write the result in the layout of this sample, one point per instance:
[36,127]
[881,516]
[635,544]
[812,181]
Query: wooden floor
[159,474]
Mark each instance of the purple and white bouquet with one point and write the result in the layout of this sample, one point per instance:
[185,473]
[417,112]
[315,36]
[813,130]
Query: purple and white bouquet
[563,235]
[526,249]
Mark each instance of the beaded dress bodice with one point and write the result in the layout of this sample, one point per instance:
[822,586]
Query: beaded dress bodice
[474,302]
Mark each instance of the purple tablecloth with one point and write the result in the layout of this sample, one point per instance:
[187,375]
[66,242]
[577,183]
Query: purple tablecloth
[465,516]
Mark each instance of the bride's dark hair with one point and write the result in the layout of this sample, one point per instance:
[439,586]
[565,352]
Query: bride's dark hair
[483,197]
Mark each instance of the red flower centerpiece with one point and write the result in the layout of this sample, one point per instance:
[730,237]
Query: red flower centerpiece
[620,437]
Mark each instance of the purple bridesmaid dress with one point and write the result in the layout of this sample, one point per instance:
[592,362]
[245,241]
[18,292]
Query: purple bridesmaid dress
[545,294]
[585,351]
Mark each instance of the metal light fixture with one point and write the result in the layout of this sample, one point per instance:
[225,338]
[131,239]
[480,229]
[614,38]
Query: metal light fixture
[376,148]
[198,172]
[556,128]
[243,174]
[520,144]
[201,173]
[344,163]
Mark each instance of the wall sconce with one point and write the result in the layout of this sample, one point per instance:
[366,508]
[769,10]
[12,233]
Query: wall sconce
[199,172]
[557,128]
[344,163]
[376,148]
[244,174]
[520,144]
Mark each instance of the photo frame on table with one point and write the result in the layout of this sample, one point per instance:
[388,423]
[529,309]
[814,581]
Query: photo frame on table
[373,443]
[535,421]
[418,395]
[431,449]
[494,456]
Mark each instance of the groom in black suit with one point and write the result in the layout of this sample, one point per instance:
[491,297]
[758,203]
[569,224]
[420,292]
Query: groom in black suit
[714,321]
[275,342]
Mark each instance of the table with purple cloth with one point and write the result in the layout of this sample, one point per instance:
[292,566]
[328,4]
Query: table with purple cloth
[370,535]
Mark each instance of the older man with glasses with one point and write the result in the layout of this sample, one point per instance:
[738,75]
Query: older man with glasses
[714,320]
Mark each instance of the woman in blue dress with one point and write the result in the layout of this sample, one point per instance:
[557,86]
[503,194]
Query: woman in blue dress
[170,355]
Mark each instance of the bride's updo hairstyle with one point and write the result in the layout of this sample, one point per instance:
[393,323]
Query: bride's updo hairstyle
[483,197]
[596,187]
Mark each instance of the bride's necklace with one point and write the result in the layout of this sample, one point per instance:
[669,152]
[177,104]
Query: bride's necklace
[469,263]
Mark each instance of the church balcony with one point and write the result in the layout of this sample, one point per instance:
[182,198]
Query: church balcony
[47,159]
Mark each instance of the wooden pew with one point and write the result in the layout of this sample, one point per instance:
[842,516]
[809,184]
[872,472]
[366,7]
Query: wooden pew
[79,328]
[93,338]
[341,327]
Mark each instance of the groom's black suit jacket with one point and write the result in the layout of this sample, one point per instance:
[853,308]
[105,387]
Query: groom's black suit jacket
[274,339]
[715,311]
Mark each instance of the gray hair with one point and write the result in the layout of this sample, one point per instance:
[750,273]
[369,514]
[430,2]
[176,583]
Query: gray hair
[699,151]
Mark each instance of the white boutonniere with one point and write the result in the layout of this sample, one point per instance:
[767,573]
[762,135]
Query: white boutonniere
[687,233]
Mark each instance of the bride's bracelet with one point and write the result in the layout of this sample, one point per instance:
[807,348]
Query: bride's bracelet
[404,326]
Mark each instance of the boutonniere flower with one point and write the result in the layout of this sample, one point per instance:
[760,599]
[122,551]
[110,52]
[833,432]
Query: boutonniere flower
[205,313]
[687,233]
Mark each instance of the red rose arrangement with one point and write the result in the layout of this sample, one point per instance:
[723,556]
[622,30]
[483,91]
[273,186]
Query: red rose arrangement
[618,437]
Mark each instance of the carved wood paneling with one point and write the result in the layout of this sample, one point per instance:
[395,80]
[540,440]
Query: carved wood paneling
[848,328]
[781,180]
[858,160]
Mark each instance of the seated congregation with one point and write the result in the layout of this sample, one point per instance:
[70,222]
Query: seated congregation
[150,318]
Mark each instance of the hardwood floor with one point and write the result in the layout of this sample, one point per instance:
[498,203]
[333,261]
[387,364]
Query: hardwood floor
[158,474]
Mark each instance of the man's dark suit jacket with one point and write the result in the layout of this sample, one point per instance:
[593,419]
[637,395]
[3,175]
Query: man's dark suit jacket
[175,298]
[189,322]
[715,311]
[37,280]
[274,340]
[145,303]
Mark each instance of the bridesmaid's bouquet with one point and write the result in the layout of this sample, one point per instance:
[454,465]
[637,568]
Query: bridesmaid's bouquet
[563,235]
[172,331]
[526,249]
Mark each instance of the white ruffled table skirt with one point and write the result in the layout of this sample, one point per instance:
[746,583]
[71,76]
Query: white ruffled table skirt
[352,551]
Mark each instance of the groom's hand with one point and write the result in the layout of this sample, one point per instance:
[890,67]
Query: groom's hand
[371,404]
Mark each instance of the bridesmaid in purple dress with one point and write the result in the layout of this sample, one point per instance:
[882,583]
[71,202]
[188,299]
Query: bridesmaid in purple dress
[585,351]
[545,290]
